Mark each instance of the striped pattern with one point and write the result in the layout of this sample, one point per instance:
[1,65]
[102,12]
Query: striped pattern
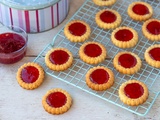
[37,20]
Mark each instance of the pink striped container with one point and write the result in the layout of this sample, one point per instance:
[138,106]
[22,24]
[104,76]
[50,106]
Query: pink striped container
[33,15]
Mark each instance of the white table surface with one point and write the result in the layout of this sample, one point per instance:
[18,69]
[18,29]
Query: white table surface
[20,104]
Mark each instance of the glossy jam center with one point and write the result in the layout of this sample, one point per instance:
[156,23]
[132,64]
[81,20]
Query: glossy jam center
[59,57]
[30,74]
[108,17]
[56,99]
[140,9]
[11,42]
[155,53]
[99,76]
[124,35]
[77,29]
[133,90]
[92,50]
[154,27]
[127,60]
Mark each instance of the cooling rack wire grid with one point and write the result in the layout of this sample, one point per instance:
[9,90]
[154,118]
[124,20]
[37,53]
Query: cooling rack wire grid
[75,75]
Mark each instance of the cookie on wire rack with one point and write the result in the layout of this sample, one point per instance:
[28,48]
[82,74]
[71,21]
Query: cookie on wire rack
[152,55]
[92,52]
[58,59]
[104,2]
[108,19]
[151,29]
[99,78]
[133,92]
[140,11]
[77,31]
[127,62]
[124,37]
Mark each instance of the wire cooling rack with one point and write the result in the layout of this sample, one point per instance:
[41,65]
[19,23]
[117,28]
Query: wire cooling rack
[75,75]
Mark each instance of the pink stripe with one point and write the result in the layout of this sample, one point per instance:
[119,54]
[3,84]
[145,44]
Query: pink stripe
[20,20]
[26,13]
[11,17]
[52,15]
[57,13]
[37,20]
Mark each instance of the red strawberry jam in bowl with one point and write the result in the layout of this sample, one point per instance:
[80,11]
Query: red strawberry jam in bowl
[13,44]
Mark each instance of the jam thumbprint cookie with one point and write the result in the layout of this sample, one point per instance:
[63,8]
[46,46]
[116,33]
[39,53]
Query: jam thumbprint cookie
[133,92]
[99,78]
[140,11]
[151,29]
[127,62]
[30,75]
[104,2]
[152,55]
[57,101]
[124,37]
[58,59]
[77,31]
[92,52]
[108,19]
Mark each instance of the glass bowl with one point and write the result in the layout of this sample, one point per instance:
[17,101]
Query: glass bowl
[13,44]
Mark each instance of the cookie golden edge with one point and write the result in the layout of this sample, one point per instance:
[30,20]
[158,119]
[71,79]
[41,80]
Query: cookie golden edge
[60,110]
[147,34]
[104,3]
[100,87]
[130,101]
[92,60]
[140,17]
[74,38]
[37,83]
[148,59]
[123,70]
[104,25]
[124,44]
[61,67]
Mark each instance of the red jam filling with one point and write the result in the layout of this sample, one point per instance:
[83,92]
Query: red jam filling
[127,60]
[77,29]
[108,17]
[92,50]
[133,90]
[154,27]
[56,99]
[11,42]
[59,57]
[99,76]
[29,74]
[155,53]
[140,9]
[124,35]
